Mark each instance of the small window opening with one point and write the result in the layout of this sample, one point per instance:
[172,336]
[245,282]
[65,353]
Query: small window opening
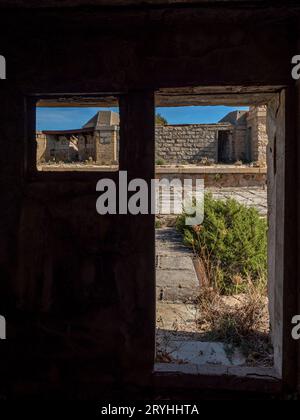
[79,138]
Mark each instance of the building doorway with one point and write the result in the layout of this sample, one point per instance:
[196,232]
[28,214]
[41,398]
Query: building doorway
[223,146]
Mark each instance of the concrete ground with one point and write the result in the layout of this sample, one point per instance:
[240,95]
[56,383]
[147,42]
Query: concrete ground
[179,348]
[177,285]
[249,196]
[176,279]
[177,339]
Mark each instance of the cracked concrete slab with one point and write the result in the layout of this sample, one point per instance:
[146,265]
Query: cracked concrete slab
[184,347]
[249,196]
[176,278]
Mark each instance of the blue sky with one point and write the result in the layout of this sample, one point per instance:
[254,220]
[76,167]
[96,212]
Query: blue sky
[68,118]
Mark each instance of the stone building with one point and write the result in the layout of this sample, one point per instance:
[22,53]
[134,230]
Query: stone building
[239,136]
[97,140]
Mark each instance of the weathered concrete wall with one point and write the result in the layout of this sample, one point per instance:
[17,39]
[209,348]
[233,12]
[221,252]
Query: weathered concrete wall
[77,289]
[219,178]
[275,301]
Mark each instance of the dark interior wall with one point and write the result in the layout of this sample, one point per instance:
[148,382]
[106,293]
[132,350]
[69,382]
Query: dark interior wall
[147,48]
[78,289]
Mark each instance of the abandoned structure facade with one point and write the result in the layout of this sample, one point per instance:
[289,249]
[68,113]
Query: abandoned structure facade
[239,136]
[97,140]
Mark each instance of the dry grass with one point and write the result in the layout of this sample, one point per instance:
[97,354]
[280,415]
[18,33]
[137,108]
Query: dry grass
[242,323]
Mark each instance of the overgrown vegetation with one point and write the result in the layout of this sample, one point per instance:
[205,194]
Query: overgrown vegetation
[241,322]
[160,161]
[233,306]
[232,243]
[158,224]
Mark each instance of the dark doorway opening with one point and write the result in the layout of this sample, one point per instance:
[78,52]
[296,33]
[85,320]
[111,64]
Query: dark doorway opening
[223,147]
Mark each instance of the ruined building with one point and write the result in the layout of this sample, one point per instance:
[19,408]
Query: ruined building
[97,140]
[78,289]
[239,136]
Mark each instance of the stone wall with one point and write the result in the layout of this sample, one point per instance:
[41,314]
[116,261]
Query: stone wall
[106,141]
[259,138]
[180,144]
[62,148]
[101,146]
[218,177]
[239,144]
[41,146]
[188,143]
[86,147]
[244,140]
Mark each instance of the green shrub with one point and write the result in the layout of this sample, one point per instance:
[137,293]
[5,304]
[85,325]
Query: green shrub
[232,242]
[158,224]
[160,161]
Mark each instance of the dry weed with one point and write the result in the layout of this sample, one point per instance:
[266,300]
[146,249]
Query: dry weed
[241,325]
